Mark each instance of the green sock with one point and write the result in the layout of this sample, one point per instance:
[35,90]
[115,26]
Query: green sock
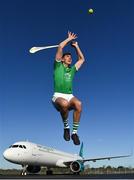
[75,127]
[66,124]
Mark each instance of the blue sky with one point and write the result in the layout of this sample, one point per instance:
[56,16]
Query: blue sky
[104,84]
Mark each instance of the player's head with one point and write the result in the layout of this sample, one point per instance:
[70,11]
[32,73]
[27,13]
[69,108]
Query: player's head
[67,58]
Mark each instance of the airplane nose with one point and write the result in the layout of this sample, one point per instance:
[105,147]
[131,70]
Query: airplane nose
[7,154]
[12,155]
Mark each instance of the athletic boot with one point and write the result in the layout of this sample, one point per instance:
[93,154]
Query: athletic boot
[66,134]
[75,139]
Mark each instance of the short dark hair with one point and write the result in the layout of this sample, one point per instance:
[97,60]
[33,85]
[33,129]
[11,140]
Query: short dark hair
[66,53]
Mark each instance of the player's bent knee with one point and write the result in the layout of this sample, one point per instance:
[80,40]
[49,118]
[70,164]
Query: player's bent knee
[64,104]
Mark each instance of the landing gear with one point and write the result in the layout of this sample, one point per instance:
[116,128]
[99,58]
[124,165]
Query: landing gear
[49,172]
[23,173]
[24,170]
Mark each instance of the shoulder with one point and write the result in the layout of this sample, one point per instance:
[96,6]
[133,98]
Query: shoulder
[57,63]
[74,68]
[57,60]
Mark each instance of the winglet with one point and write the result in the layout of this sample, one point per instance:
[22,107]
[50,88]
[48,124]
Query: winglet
[81,150]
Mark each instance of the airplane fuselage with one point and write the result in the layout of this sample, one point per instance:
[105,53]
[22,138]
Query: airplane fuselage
[27,153]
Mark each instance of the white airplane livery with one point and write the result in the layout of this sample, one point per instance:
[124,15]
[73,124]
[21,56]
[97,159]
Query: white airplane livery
[33,156]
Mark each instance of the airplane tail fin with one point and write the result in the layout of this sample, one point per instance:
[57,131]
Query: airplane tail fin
[81,150]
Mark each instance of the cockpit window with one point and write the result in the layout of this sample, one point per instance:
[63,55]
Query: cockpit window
[15,146]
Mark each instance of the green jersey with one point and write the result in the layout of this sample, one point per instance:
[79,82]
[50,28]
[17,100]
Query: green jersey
[63,78]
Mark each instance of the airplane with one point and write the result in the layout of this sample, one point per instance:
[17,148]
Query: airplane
[34,156]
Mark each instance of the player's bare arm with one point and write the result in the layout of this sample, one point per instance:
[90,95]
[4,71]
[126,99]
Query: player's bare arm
[80,55]
[71,36]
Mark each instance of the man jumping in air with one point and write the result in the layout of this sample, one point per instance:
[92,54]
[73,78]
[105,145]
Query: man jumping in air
[63,99]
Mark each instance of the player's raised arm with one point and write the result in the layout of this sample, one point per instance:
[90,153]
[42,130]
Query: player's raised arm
[80,55]
[71,36]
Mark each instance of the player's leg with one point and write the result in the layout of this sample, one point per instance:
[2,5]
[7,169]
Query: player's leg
[77,106]
[62,106]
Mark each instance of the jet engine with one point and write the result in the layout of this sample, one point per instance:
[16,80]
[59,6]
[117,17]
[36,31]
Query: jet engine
[76,166]
[33,169]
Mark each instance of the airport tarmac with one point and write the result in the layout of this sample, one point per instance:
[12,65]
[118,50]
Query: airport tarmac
[97,176]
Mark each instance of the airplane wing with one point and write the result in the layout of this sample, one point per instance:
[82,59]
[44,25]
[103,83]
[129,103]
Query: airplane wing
[96,159]
[103,158]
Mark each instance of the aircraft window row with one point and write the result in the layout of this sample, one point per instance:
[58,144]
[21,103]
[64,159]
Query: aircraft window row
[18,146]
